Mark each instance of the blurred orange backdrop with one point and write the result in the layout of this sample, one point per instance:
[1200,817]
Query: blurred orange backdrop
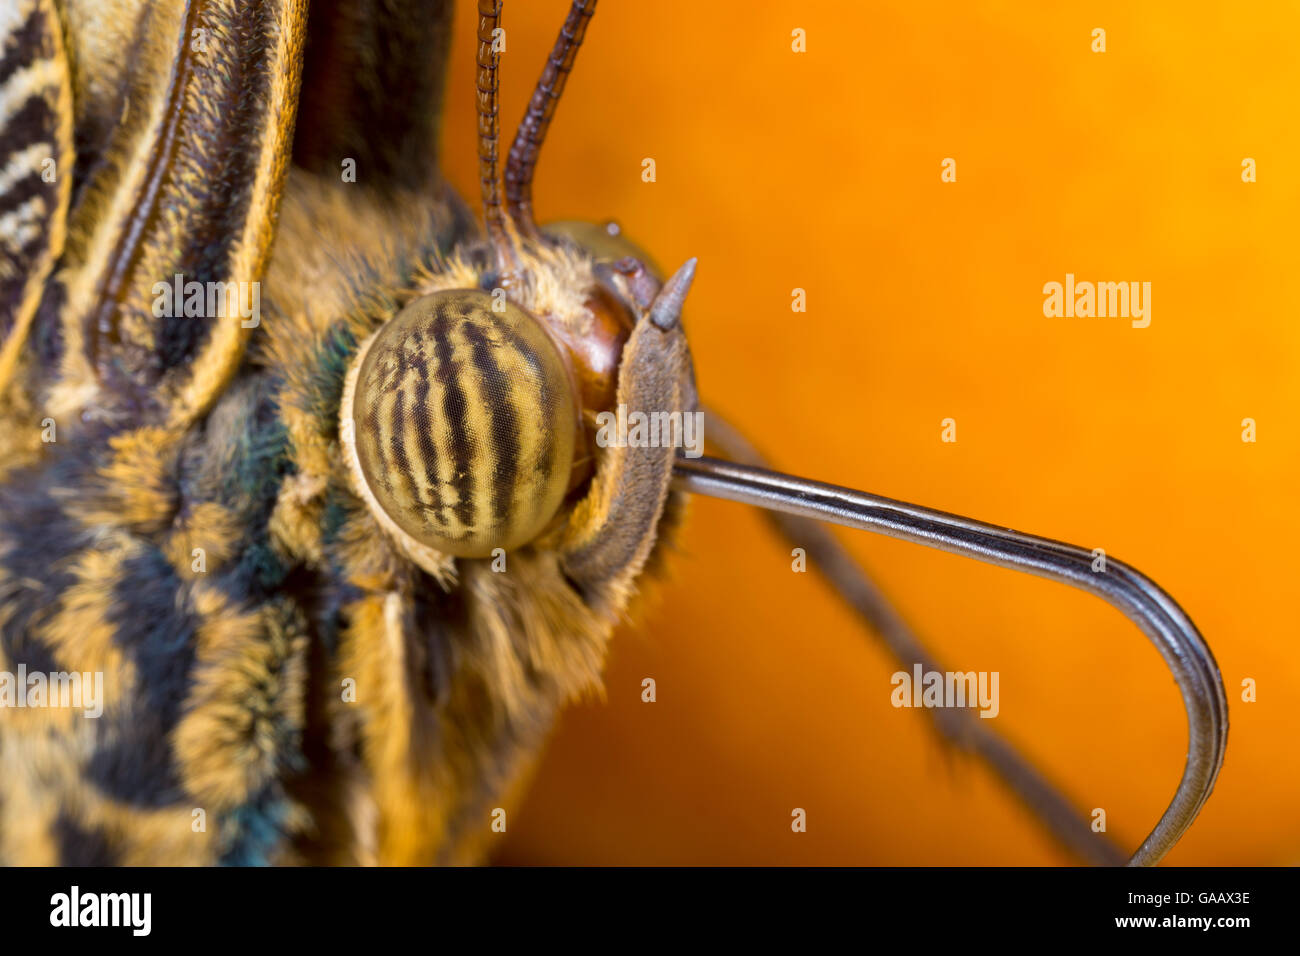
[821,171]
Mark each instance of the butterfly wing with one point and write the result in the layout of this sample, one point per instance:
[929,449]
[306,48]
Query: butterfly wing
[133,552]
[36,168]
[187,125]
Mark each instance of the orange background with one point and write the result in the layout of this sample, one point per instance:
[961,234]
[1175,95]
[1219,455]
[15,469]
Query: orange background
[822,171]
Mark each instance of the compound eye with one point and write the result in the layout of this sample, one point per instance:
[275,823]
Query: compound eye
[464,423]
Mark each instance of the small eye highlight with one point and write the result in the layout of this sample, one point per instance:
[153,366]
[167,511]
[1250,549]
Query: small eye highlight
[464,423]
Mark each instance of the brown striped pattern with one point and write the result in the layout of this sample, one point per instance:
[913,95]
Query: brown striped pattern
[35,163]
[465,423]
[187,182]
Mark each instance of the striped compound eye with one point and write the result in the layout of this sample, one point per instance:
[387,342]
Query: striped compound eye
[464,422]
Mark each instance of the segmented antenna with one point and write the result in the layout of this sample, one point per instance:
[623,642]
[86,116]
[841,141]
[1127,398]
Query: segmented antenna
[532,128]
[500,230]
